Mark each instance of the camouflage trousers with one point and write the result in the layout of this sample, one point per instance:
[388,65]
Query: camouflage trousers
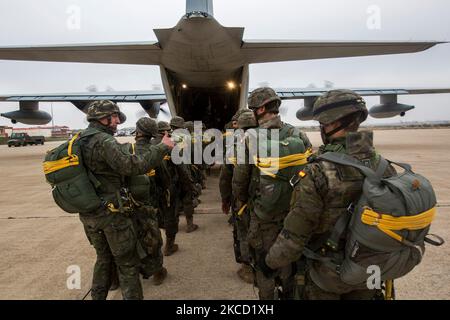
[169,214]
[150,240]
[314,292]
[186,199]
[114,240]
[240,232]
[261,236]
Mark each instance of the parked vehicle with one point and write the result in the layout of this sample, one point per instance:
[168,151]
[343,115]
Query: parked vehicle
[23,139]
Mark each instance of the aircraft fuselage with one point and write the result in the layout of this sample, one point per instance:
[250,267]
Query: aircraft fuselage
[203,71]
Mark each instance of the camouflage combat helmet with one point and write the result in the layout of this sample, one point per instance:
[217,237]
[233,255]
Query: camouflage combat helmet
[177,122]
[238,113]
[103,108]
[147,126]
[163,126]
[337,104]
[189,125]
[247,120]
[262,96]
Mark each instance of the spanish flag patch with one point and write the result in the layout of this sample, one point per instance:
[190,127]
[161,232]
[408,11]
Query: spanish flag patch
[302,174]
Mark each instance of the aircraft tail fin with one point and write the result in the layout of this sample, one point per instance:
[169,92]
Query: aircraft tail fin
[205,6]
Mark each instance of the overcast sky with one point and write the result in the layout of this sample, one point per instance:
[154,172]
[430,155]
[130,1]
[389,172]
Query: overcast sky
[28,22]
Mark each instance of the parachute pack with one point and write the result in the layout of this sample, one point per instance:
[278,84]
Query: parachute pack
[388,226]
[275,190]
[73,186]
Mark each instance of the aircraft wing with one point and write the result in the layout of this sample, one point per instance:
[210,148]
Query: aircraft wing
[387,108]
[29,104]
[273,51]
[293,93]
[140,53]
[116,96]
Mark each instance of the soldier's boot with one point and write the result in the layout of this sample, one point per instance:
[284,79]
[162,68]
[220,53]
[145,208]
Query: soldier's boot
[158,277]
[171,247]
[246,273]
[191,227]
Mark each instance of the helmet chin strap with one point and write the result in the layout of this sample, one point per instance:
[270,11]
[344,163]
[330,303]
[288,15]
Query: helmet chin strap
[258,116]
[345,122]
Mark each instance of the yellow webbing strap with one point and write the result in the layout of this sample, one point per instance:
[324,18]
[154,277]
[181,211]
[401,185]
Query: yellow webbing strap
[69,149]
[151,173]
[389,290]
[233,160]
[166,158]
[133,148]
[388,224]
[270,165]
[70,160]
[242,210]
[112,209]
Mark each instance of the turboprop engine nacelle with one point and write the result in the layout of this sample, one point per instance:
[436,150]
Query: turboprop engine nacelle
[389,107]
[28,113]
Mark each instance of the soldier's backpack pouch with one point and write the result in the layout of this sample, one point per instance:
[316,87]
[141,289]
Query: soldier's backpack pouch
[389,225]
[72,188]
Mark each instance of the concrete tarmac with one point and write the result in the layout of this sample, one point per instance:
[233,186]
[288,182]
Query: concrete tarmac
[41,245]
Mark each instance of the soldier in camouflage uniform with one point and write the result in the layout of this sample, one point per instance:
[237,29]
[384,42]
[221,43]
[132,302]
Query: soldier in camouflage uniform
[109,229]
[323,192]
[262,232]
[186,193]
[195,168]
[244,119]
[145,194]
[168,184]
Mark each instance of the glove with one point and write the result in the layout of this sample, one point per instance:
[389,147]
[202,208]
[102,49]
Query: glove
[226,207]
[264,268]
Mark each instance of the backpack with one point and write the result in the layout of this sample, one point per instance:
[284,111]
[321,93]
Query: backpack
[272,202]
[73,186]
[142,187]
[387,227]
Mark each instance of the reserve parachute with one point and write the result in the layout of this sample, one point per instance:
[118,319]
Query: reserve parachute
[388,226]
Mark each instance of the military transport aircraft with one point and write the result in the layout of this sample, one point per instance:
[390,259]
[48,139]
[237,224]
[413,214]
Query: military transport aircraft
[204,69]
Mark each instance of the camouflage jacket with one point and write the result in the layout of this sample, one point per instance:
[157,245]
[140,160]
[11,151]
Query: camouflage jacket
[246,176]
[226,170]
[171,176]
[109,162]
[323,194]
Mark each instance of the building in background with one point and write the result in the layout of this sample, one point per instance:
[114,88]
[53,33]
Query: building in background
[4,131]
[47,132]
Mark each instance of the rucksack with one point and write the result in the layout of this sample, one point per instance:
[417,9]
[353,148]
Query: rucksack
[73,185]
[142,187]
[388,226]
[273,201]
